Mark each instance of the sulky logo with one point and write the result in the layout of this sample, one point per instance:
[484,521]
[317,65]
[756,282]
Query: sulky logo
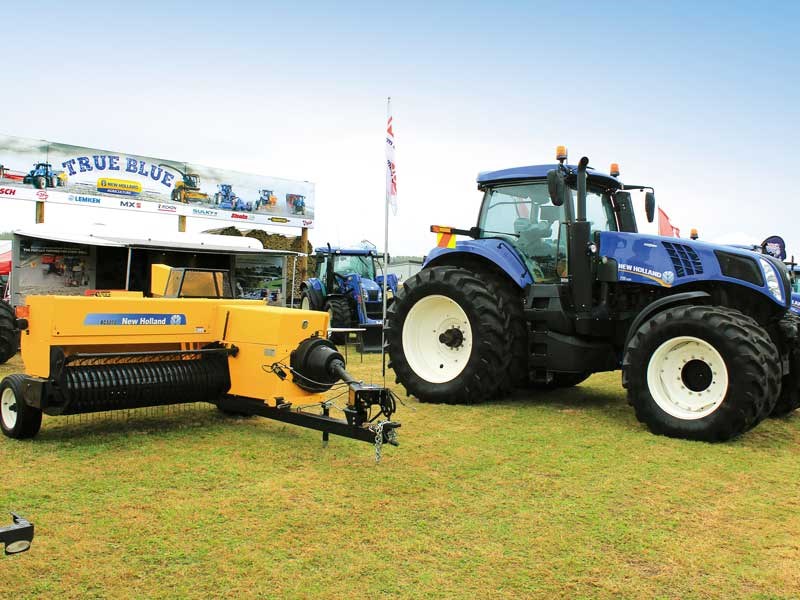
[129,204]
[8,191]
[83,199]
[41,195]
[204,212]
[168,208]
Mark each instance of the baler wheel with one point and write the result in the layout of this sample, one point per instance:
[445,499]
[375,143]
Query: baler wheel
[9,334]
[17,419]
[447,337]
[695,372]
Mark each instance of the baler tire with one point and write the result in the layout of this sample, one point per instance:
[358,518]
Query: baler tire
[517,328]
[339,310]
[480,377]
[724,341]
[9,334]
[224,408]
[28,420]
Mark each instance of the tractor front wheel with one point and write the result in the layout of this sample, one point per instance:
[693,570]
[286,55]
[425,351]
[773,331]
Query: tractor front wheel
[448,337]
[339,311]
[39,182]
[305,301]
[694,372]
[789,400]
[17,419]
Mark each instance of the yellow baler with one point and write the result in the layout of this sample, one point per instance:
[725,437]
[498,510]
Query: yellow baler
[89,354]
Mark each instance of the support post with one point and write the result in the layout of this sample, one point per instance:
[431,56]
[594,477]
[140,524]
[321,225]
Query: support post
[182,223]
[39,211]
[304,250]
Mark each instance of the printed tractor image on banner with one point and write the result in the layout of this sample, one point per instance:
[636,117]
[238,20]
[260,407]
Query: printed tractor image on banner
[38,170]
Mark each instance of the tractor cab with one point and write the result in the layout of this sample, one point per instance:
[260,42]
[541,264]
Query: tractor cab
[192,181]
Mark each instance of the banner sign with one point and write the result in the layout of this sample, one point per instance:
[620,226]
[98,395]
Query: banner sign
[63,174]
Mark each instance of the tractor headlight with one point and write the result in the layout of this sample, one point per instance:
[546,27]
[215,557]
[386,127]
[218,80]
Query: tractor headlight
[773,279]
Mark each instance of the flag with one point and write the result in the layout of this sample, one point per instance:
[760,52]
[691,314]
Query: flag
[666,228]
[391,170]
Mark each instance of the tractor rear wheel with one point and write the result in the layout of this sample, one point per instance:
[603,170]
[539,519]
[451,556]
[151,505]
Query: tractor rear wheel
[9,334]
[339,311]
[517,329]
[39,182]
[694,372]
[17,419]
[53,181]
[447,337]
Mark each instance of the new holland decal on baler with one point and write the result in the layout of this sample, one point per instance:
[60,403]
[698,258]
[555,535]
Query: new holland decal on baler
[195,343]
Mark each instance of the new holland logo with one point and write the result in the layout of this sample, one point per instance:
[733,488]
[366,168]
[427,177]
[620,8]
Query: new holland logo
[130,204]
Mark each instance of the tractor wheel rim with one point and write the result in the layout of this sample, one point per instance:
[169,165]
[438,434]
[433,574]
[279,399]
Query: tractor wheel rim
[437,338]
[8,408]
[304,304]
[687,378]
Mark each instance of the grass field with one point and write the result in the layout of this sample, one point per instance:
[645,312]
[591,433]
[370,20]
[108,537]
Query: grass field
[551,495]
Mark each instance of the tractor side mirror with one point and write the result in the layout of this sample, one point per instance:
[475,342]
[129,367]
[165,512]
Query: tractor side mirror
[650,206]
[556,187]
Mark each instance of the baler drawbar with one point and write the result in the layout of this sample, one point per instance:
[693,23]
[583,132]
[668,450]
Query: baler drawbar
[191,343]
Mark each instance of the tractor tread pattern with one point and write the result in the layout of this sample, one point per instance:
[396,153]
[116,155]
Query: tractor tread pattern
[789,399]
[340,317]
[747,398]
[517,328]
[482,377]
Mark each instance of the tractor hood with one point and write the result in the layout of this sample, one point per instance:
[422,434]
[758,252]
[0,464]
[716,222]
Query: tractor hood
[671,262]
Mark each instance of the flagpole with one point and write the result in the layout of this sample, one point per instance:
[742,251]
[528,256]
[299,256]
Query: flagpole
[385,260]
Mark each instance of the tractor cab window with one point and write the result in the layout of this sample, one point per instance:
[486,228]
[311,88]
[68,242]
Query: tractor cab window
[523,215]
[360,265]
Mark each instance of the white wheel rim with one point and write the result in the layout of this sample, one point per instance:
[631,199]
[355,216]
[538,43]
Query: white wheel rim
[434,360]
[687,377]
[304,304]
[9,415]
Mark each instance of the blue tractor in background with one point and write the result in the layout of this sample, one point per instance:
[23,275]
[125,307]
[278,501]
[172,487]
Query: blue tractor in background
[43,176]
[225,199]
[555,283]
[345,283]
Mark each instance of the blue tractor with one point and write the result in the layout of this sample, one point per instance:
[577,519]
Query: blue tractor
[345,283]
[43,176]
[556,284]
[227,200]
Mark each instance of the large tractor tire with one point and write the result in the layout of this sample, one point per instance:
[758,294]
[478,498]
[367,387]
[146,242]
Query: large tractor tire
[339,311]
[447,337]
[17,419]
[518,374]
[305,302]
[39,182]
[53,181]
[694,372]
[9,334]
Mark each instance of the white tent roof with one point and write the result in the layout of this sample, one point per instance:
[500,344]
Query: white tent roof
[101,235]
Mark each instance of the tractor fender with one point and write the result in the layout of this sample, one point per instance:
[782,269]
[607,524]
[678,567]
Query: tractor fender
[658,305]
[313,287]
[492,250]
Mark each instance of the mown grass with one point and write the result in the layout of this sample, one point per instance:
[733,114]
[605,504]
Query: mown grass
[553,495]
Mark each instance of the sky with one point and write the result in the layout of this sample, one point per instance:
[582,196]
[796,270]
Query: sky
[698,99]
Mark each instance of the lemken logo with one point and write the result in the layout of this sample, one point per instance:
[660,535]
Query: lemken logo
[84,199]
[134,319]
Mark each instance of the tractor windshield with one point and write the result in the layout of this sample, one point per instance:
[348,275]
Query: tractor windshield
[523,214]
[361,265]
